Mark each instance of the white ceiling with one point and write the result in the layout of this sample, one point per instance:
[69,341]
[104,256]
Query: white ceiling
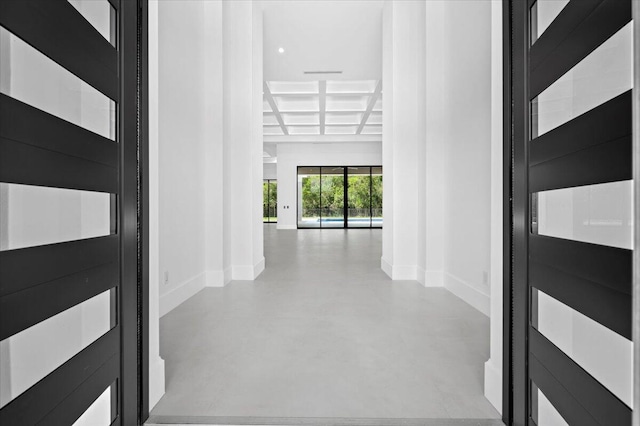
[322,35]
[325,107]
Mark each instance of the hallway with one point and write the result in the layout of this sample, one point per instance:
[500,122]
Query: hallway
[323,332]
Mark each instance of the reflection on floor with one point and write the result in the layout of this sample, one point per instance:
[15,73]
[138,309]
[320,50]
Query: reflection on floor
[325,333]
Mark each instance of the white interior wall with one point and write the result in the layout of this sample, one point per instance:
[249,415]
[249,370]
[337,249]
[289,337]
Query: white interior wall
[156,363]
[292,155]
[493,367]
[210,146]
[215,168]
[464,162]
[181,140]
[467,137]
[270,171]
[433,274]
[205,152]
[242,135]
[403,132]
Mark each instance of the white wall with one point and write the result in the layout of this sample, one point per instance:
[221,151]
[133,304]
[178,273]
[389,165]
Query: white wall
[215,169]
[210,145]
[181,133]
[463,170]
[156,364]
[270,170]
[205,152]
[292,155]
[404,92]
[493,367]
[242,105]
[433,273]
[467,109]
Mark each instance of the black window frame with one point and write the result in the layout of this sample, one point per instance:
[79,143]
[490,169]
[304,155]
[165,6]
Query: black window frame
[346,196]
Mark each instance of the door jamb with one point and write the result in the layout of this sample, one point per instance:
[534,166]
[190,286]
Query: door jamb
[636,193]
[507,226]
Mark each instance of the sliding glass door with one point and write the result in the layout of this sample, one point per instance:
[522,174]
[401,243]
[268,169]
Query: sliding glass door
[332,197]
[340,197]
[376,197]
[359,197]
[270,201]
[309,197]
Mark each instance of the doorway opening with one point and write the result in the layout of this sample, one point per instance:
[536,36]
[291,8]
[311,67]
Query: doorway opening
[323,331]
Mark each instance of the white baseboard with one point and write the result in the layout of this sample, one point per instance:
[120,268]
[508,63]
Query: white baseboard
[399,272]
[287,226]
[182,292]
[468,293]
[215,279]
[156,381]
[227,275]
[247,273]
[386,267]
[433,278]
[493,384]
[422,275]
[405,272]
[259,268]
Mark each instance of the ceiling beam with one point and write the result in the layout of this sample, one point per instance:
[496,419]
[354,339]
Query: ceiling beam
[372,103]
[274,107]
[323,103]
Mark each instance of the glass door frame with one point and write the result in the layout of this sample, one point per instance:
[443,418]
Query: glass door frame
[346,195]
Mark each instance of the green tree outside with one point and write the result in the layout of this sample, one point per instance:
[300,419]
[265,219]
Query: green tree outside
[269,201]
[364,193]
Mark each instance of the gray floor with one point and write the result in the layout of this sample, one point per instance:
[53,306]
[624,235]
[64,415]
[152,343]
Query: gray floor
[324,333]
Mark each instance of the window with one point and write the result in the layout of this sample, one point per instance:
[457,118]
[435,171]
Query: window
[340,197]
[270,201]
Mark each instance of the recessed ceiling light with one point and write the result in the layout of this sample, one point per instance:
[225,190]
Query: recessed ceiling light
[281,50]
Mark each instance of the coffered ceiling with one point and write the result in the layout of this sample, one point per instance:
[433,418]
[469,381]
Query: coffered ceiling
[323,107]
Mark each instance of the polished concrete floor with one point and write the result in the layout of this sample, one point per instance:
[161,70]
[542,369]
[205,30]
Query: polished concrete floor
[324,333]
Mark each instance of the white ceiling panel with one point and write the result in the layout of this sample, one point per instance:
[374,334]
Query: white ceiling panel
[297,103]
[352,118]
[270,120]
[303,118]
[340,130]
[347,103]
[378,106]
[271,130]
[304,130]
[371,130]
[375,118]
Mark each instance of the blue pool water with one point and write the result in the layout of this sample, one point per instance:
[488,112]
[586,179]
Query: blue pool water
[337,219]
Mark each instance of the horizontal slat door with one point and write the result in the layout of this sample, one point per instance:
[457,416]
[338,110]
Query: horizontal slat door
[62,150]
[579,169]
